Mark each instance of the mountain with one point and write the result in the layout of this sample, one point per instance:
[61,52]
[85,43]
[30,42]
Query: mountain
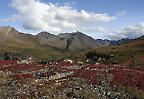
[45,44]
[69,41]
[106,43]
[52,40]
[63,41]
[142,37]
[7,33]
[12,40]
[119,42]
[103,43]
[78,41]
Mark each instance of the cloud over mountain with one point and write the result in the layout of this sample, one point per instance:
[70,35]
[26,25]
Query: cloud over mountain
[132,31]
[37,15]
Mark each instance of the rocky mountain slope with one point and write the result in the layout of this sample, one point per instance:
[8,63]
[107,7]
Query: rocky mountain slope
[65,41]
[78,41]
[52,40]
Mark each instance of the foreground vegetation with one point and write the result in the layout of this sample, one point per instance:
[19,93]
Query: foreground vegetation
[62,80]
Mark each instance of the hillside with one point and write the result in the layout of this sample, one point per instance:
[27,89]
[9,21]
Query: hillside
[47,45]
[44,45]
[79,41]
[25,43]
[129,54]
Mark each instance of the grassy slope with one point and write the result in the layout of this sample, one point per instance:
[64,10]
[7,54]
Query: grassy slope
[31,47]
[122,53]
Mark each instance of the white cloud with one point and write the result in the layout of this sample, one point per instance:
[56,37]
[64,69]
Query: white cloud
[132,31]
[54,18]
[11,19]
[95,29]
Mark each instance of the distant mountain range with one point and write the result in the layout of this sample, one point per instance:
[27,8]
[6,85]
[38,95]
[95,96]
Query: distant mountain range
[67,41]
[45,44]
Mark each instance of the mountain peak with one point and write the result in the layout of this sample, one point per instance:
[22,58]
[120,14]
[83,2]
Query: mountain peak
[78,33]
[5,28]
[142,37]
[8,30]
[45,34]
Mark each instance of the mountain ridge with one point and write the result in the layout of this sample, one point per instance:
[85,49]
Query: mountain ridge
[69,41]
[45,44]
[45,37]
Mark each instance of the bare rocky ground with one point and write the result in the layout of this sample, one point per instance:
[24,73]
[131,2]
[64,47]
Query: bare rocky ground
[60,80]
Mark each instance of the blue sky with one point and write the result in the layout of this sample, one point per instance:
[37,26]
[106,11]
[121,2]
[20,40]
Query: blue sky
[117,19]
